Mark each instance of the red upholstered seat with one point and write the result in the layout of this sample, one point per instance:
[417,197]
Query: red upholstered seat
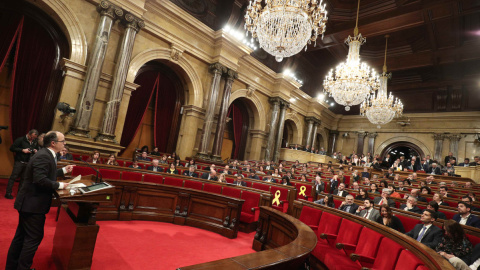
[422,267]
[250,210]
[232,192]
[152,178]
[193,184]
[307,190]
[261,186]
[390,251]
[329,225]
[408,222]
[229,180]
[212,188]
[473,239]
[337,202]
[128,163]
[120,163]
[283,206]
[407,261]
[76,156]
[132,176]
[448,214]
[143,166]
[311,217]
[173,181]
[348,235]
[80,170]
[110,174]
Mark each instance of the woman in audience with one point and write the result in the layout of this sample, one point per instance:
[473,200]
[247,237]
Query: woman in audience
[373,189]
[155,152]
[438,198]
[327,201]
[174,156]
[281,169]
[303,178]
[135,165]
[172,169]
[472,195]
[406,183]
[350,169]
[455,246]
[221,178]
[388,219]
[276,173]
[355,176]
[191,163]
[260,170]
[95,158]
[286,181]
[112,160]
[177,163]
[362,194]
[144,149]
[163,160]
[383,184]
[423,183]
[425,190]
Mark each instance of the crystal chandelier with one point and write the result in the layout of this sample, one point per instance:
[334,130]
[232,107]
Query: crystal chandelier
[284,27]
[352,81]
[381,109]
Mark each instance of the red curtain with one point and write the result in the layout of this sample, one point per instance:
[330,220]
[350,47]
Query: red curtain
[166,99]
[10,27]
[237,128]
[33,66]
[138,105]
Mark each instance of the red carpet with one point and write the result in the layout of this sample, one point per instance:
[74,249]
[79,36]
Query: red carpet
[133,244]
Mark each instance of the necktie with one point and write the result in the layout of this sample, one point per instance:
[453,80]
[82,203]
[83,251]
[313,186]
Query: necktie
[366,214]
[420,235]
[381,202]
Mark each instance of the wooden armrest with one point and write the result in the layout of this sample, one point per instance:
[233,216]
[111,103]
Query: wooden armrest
[358,257]
[313,227]
[326,236]
[255,209]
[344,246]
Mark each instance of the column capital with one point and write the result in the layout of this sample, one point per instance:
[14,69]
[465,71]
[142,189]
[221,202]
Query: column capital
[231,75]
[334,132]
[439,136]
[455,137]
[372,135]
[313,120]
[105,8]
[361,134]
[276,100]
[132,21]
[217,68]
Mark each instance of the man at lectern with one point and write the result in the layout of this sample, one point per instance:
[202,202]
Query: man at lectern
[34,200]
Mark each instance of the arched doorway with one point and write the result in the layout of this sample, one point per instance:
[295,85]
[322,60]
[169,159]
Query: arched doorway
[319,141]
[288,133]
[154,111]
[402,148]
[238,128]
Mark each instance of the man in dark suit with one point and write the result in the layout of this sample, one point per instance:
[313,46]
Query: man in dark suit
[239,181]
[469,201]
[427,233]
[465,216]
[210,176]
[269,167]
[191,172]
[433,205]
[226,169]
[385,198]
[424,165]
[367,211]
[415,192]
[34,200]
[411,205]
[340,191]
[348,205]
[333,183]
[434,169]
[64,154]
[465,163]
[155,167]
[449,157]
[252,175]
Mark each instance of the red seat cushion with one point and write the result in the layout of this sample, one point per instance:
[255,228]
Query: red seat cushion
[261,186]
[387,262]
[132,176]
[408,222]
[173,181]
[283,198]
[473,239]
[368,243]
[407,261]
[232,192]
[193,184]
[329,224]
[110,174]
[152,178]
[307,190]
[212,188]
[120,163]
[80,170]
[349,232]
[311,217]
[252,201]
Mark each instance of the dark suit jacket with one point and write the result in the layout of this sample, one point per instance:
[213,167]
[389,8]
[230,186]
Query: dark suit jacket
[187,173]
[353,208]
[390,202]
[374,214]
[68,156]
[472,220]
[437,170]
[159,169]
[447,159]
[333,186]
[254,177]
[167,170]
[205,176]
[40,181]
[366,174]
[431,237]
[415,209]
[345,193]
[242,183]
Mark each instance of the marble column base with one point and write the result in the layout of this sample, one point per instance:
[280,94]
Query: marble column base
[215,158]
[79,132]
[109,138]
[202,156]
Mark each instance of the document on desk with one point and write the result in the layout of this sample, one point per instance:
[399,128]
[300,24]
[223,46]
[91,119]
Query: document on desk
[74,180]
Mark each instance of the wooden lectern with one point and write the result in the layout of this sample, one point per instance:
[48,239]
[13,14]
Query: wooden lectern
[76,232]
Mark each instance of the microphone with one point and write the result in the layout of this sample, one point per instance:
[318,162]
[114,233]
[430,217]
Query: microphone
[93,168]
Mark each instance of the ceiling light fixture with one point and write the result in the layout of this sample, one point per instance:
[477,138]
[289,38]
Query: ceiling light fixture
[284,27]
[352,81]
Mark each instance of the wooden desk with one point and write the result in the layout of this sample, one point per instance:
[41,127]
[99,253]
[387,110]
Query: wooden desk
[303,156]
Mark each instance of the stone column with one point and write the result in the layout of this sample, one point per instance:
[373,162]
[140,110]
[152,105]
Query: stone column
[222,117]
[371,142]
[438,146]
[133,25]
[217,69]
[332,141]
[109,13]
[273,127]
[360,142]
[308,138]
[314,132]
[454,139]
[281,124]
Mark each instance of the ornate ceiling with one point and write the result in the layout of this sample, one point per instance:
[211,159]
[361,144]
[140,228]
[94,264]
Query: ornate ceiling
[433,51]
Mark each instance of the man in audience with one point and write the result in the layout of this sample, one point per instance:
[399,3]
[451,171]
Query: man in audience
[430,180]
[414,177]
[191,172]
[367,211]
[341,190]
[389,173]
[433,205]
[269,178]
[155,166]
[365,173]
[401,186]
[322,151]
[144,157]
[269,167]
[424,166]
[465,163]
[239,181]
[366,182]
[468,185]
[387,161]
[226,169]
[444,191]
[348,205]
[449,157]
[469,200]
[385,198]
[448,169]
[247,168]
[64,154]
[355,186]
[465,216]
[393,191]
[296,147]
[429,160]
[476,161]
[416,194]
[252,175]
[333,183]
[427,233]
[155,151]
[434,169]
[411,205]
[210,176]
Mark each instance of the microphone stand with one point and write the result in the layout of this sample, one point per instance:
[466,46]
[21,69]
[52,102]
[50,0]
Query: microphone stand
[93,168]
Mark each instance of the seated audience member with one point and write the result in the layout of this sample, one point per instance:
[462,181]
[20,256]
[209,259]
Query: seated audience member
[401,186]
[260,170]
[366,181]
[164,160]
[455,246]
[212,175]
[252,175]
[449,157]
[355,186]
[468,185]
[416,194]
[319,184]
[155,152]
[355,176]
[135,165]
[327,201]
[465,163]
[427,233]
[177,163]
[425,191]
[269,178]
[191,172]
[472,195]
[373,189]
[247,168]
[465,217]
[221,178]
[365,173]
[348,205]
[453,184]
[367,211]
[144,157]
[438,198]
[174,156]
[362,194]
[95,158]
[411,205]
[444,191]
[282,169]
[475,260]
[448,170]
[432,205]
[226,170]
[388,219]
[340,191]
[239,181]
[212,167]
[334,183]
[303,178]
[434,169]
[430,180]
[384,198]
[190,163]
[276,173]
[393,191]
[476,161]
[269,166]
[155,166]
[171,169]
[286,181]
[112,160]
[383,184]
[469,200]
[64,154]
[144,149]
